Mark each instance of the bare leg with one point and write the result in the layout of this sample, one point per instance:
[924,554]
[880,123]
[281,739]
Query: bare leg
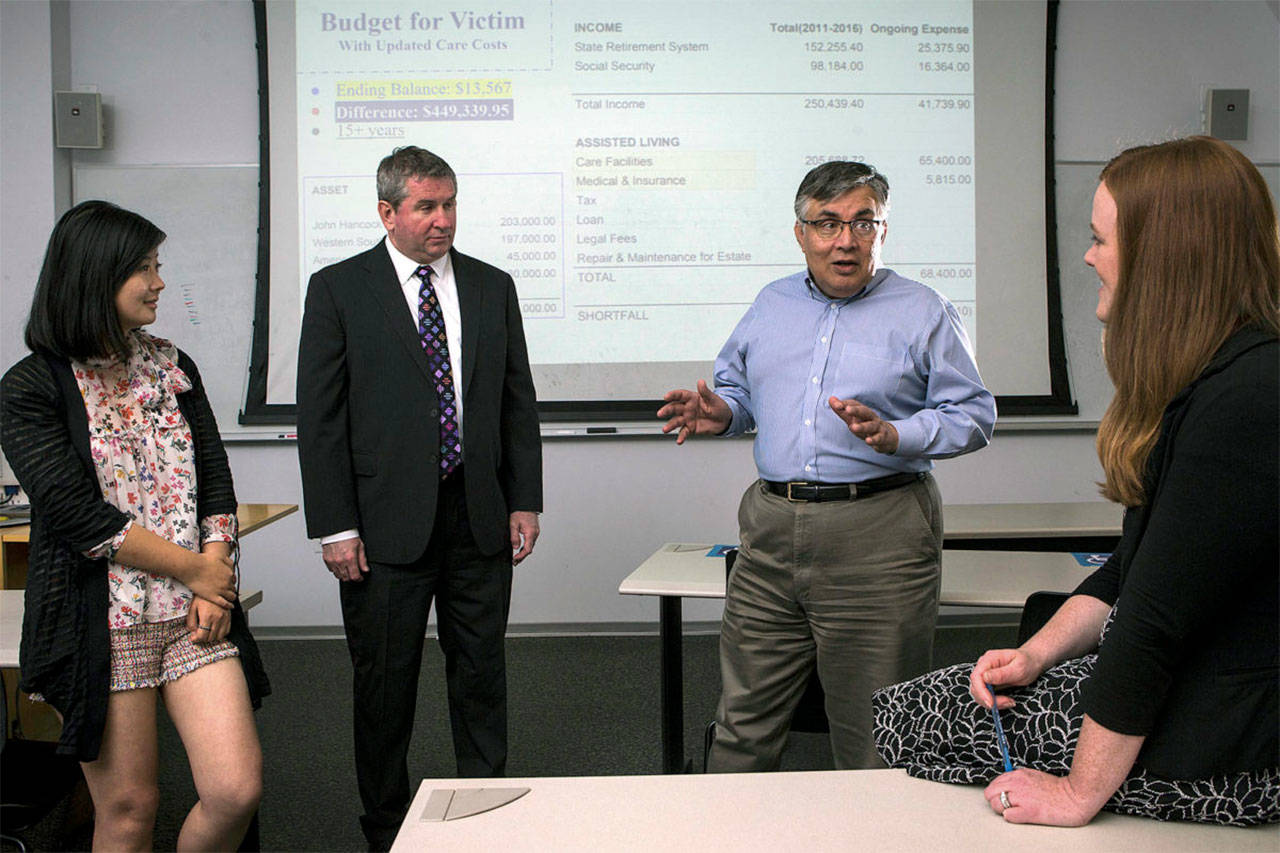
[211,710]
[122,781]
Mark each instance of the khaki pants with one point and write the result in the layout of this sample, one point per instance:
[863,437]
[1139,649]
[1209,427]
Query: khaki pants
[848,586]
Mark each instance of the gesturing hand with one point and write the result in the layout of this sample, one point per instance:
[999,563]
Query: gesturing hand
[701,412]
[863,422]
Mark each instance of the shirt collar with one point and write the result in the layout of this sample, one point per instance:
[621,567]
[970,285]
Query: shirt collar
[406,266]
[816,292]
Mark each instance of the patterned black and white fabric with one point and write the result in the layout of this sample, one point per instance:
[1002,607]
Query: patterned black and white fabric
[932,728]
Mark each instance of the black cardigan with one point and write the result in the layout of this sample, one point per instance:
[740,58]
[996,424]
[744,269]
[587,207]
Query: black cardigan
[65,653]
[1191,658]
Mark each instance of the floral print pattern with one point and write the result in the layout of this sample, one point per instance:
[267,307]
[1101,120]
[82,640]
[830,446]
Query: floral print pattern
[145,462]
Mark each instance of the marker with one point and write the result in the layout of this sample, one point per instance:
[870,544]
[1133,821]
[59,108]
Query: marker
[284,435]
[1000,738]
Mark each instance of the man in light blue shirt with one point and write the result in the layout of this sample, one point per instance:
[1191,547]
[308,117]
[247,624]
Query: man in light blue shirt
[855,379]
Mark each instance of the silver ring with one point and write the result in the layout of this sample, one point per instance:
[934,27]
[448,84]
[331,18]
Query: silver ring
[206,628]
[1004,800]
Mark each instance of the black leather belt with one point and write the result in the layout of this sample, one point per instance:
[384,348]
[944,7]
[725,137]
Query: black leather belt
[819,492]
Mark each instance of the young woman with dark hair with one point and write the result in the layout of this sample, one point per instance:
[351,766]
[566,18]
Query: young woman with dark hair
[131,585]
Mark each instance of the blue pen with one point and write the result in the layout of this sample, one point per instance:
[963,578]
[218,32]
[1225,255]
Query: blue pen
[1000,738]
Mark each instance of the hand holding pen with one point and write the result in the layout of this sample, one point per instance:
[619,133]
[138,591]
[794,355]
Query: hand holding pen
[1002,668]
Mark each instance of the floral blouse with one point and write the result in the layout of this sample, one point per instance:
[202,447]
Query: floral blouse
[144,458]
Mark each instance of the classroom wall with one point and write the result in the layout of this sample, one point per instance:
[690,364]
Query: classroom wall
[179,87]
[34,176]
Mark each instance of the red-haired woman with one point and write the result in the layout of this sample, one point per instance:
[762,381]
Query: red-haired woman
[1153,690]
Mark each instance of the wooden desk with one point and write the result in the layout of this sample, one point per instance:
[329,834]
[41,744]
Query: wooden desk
[811,811]
[13,556]
[39,721]
[257,516]
[681,570]
[13,540]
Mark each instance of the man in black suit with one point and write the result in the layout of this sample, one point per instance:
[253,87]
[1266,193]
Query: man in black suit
[415,489]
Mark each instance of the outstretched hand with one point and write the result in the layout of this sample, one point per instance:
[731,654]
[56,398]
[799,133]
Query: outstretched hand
[701,412]
[863,422]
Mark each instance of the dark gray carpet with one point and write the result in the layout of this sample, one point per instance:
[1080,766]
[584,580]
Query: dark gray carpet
[578,706]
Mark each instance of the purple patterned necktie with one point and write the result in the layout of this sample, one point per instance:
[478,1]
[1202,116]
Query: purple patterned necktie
[435,343]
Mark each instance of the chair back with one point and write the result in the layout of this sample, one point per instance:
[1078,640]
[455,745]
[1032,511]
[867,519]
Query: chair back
[1039,609]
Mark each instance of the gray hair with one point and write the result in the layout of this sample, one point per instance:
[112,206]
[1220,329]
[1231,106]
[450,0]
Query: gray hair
[403,164]
[834,179]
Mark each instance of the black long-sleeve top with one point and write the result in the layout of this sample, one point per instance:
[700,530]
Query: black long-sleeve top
[1191,658]
[65,651]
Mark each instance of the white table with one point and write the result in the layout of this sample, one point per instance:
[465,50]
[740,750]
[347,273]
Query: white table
[1064,526]
[969,578]
[10,626]
[11,609]
[812,811]
[14,542]
[681,570]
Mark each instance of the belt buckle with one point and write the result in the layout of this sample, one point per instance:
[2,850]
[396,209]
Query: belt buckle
[791,499]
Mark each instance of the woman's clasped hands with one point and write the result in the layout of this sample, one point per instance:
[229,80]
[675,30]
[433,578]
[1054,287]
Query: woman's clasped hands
[213,577]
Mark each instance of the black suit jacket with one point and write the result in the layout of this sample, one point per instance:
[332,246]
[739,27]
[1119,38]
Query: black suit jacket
[368,419]
[1192,657]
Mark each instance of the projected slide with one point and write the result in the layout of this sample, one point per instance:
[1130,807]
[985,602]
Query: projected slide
[633,166]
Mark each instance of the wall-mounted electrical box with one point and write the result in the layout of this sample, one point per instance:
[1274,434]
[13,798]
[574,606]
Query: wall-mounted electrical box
[77,119]
[1227,113]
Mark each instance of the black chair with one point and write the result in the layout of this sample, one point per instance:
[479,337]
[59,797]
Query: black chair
[1038,609]
[811,712]
[34,780]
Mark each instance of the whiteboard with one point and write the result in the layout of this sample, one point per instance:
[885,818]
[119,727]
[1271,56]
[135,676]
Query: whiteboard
[210,214]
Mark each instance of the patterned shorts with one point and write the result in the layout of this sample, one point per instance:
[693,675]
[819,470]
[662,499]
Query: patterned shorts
[153,653]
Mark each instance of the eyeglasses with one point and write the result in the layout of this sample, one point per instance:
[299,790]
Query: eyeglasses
[829,229]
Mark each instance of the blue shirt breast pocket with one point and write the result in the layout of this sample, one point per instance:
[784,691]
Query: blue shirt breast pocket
[869,373]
